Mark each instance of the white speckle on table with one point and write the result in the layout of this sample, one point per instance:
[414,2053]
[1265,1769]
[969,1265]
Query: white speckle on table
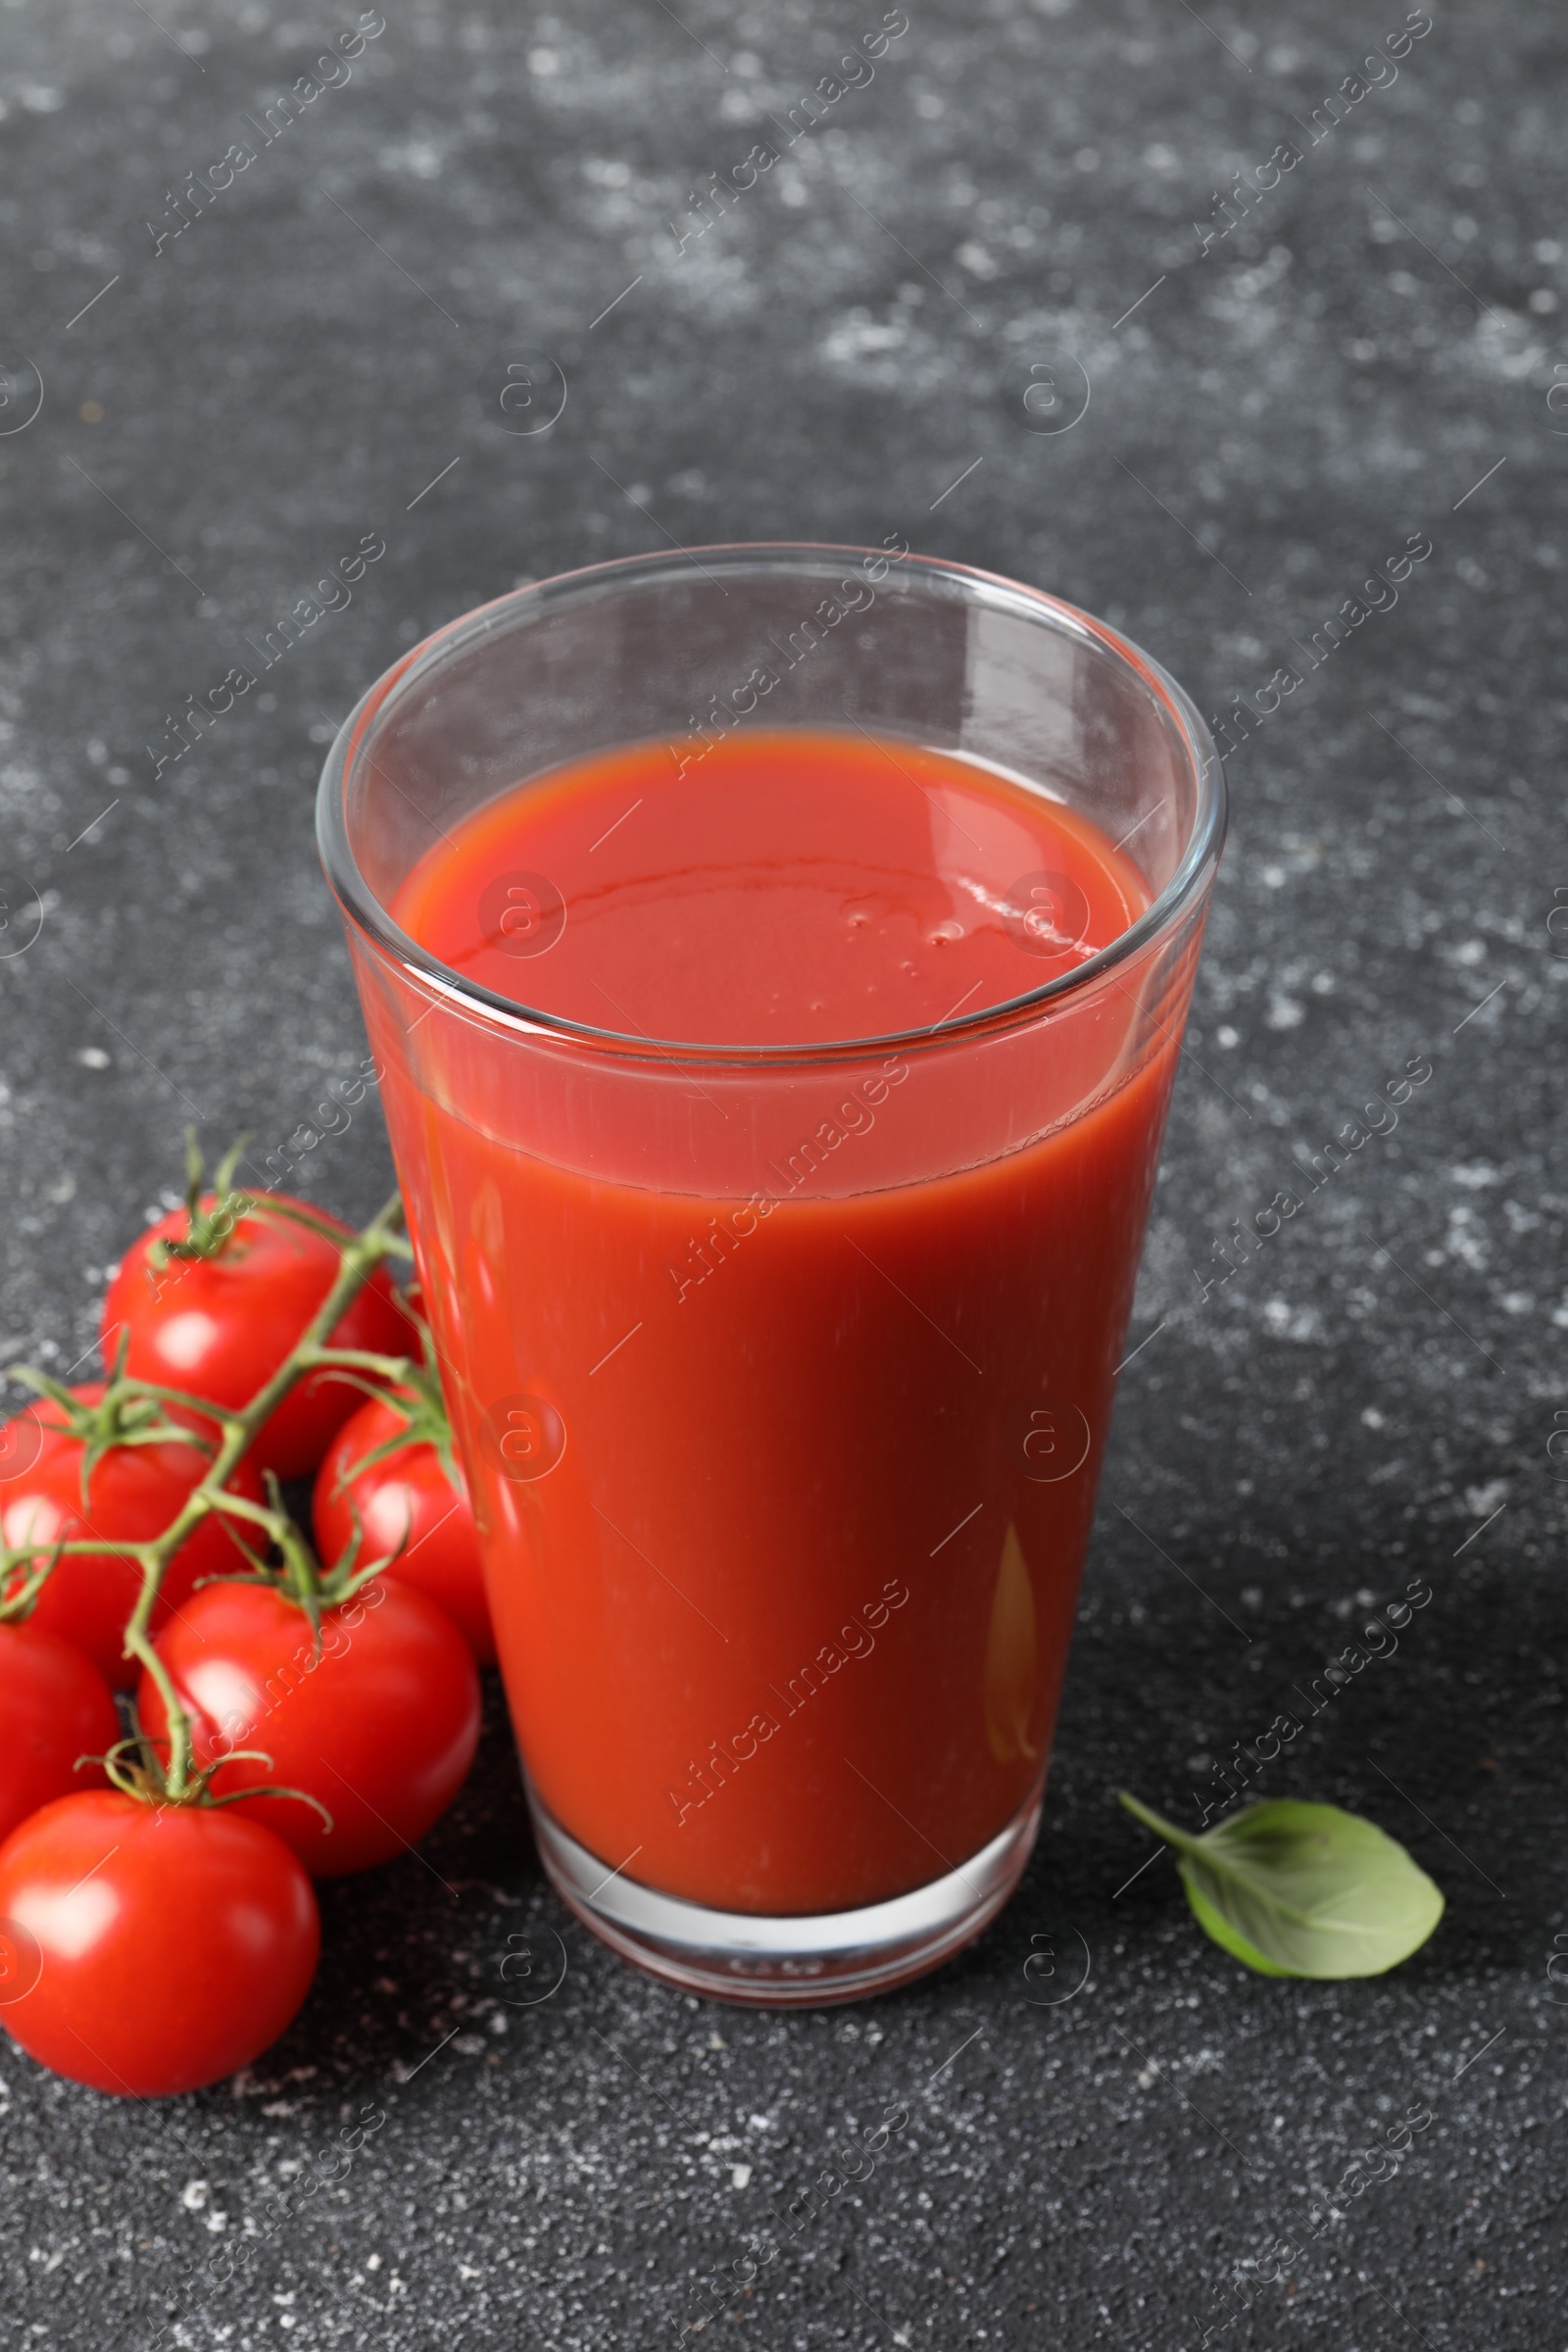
[1286,1322]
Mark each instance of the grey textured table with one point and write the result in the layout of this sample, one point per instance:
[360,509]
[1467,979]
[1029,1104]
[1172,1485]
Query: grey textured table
[1367,355]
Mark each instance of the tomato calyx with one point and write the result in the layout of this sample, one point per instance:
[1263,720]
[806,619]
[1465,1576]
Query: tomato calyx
[127,1412]
[135,1768]
[130,1413]
[210,1225]
[214,1215]
[418,1402]
[297,1575]
[24,1571]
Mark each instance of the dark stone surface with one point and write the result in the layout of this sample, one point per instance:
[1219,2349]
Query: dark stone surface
[1368,1402]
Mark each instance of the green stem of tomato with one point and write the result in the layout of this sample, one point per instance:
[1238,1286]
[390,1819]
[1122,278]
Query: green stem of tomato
[138,1645]
[359,1360]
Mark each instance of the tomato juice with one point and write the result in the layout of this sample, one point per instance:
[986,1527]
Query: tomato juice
[782,1451]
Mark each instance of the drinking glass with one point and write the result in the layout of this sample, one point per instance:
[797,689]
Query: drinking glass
[780,1375]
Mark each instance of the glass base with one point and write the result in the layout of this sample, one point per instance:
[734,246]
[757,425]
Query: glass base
[804,1961]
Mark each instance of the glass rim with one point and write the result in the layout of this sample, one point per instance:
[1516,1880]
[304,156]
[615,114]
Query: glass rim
[362,904]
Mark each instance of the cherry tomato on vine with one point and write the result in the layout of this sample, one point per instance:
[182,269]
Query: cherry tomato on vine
[379,1722]
[214,1301]
[392,1463]
[149,1949]
[133,1492]
[54,1707]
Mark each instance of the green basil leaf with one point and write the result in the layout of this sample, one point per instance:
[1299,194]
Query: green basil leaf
[1295,1889]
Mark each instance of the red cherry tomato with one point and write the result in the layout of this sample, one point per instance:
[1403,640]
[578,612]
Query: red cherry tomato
[54,1707]
[149,1951]
[380,1724]
[132,1495]
[220,1326]
[406,1499]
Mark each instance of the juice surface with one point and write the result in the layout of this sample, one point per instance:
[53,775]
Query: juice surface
[784,1484]
[788,889]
